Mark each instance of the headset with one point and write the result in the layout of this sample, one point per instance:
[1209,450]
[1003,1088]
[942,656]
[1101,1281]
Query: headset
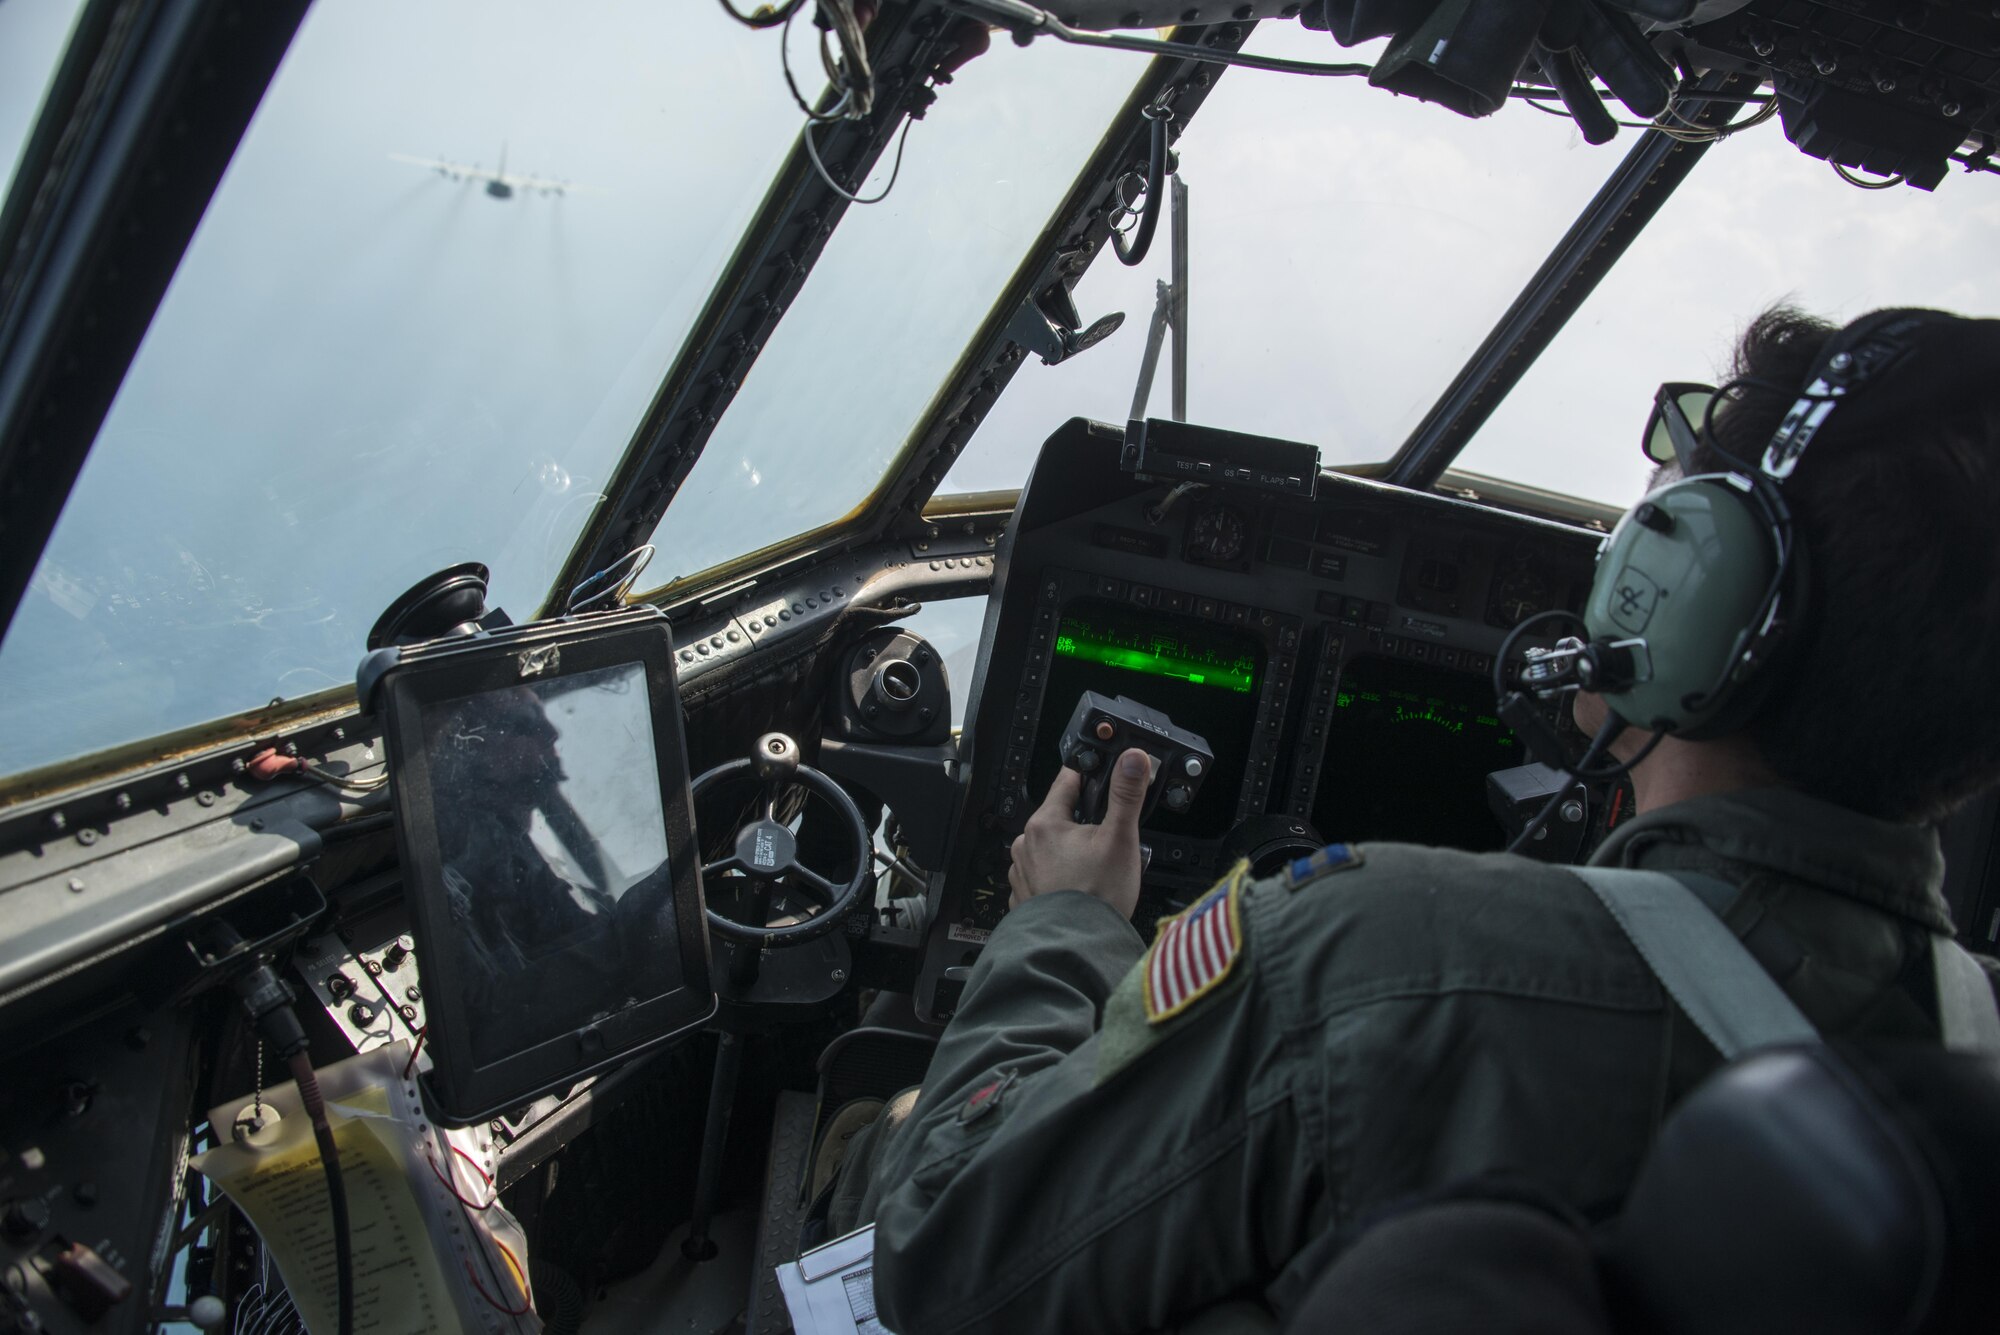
[1701,586]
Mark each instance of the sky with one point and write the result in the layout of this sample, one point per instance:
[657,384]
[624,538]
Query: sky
[364,371]
[32,33]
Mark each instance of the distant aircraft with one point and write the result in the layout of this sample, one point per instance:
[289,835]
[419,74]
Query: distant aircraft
[500,183]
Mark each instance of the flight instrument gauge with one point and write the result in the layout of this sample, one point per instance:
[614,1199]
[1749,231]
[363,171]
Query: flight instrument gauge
[1519,591]
[1217,535]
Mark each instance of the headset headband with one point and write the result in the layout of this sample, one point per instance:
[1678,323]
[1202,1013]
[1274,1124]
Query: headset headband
[1867,349]
[1912,361]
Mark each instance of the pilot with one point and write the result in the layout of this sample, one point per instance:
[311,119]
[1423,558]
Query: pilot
[1114,1138]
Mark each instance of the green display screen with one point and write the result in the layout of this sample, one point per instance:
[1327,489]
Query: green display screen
[1156,652]
[1408,750]
[1204,675]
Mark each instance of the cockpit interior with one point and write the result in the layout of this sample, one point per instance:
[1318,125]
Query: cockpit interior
[560,649]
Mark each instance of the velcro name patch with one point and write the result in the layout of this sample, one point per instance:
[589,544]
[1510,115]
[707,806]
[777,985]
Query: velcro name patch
[1195,950]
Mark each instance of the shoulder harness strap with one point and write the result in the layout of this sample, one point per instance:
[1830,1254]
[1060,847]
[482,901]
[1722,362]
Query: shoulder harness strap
[1675,923]
[1709,973]
[1967,1011]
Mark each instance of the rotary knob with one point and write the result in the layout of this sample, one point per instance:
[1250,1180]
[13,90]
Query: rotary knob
[24,1219]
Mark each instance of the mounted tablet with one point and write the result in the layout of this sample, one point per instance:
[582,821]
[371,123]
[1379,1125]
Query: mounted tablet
[543,817]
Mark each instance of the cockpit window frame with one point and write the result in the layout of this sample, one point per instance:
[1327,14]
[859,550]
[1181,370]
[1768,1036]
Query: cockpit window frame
[794,221]
[1633,192]
[1077,230]
[764,276]
[131,143]
[757,287]
[1622,209]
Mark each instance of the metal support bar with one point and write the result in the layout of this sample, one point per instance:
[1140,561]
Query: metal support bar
[714,1135]
[746,960]
[1594,243]
[1178,315]
[1169,315]
[1149,361]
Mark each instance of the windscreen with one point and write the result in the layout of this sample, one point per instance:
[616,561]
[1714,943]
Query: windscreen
[1407,756]
[1201,675]
[552,840]
[1350,250]
[422,315]
[1711,260]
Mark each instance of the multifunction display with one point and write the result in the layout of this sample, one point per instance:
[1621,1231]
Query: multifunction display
[1201,674]
[1408,749]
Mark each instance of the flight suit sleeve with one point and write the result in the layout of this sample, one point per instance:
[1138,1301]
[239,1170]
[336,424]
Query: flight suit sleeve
[1035,993]
[1054,1177]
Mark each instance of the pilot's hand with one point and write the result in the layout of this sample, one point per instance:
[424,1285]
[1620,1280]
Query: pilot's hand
[1055,853]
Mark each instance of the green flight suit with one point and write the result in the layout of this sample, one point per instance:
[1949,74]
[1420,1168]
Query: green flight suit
[1418,1016]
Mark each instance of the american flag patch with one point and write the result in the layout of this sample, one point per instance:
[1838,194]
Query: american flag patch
[1194,950]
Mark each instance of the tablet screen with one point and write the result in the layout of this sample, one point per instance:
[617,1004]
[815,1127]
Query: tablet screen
[552,846]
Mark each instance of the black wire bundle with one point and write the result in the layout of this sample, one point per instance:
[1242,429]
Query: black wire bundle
[1156,191]
[269,1003]
[336,1189]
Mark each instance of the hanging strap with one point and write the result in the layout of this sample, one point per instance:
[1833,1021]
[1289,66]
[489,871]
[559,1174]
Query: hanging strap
[1709,973]
[1967,1012]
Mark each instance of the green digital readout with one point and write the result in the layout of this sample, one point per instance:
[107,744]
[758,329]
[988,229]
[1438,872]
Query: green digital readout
[1408,749]
[1412,707]
[1157,653]
[1203,672]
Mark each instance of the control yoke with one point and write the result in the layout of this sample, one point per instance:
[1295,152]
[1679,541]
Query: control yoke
[1104,728]
[767,852]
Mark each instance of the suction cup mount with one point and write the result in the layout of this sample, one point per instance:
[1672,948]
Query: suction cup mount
[451,602]
[447,605]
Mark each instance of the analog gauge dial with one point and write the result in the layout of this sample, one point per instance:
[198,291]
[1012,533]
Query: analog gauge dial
[1519,592]
[1217,535]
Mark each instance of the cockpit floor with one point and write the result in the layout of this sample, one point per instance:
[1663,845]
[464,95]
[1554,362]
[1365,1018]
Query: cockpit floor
[675,1296]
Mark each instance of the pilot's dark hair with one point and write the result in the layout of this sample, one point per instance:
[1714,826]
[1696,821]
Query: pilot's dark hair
[1887,698]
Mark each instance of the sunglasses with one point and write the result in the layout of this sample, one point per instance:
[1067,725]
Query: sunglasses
[1675,426]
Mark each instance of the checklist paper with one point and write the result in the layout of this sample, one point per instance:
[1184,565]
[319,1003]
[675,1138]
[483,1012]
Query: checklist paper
[831,1289]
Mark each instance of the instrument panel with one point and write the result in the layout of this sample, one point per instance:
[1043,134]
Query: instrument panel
[1336,653]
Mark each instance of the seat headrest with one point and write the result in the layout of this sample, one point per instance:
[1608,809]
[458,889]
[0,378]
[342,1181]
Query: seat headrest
[1843,1192]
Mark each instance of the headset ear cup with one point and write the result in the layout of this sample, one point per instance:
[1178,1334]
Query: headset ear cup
[1688,572]
[1775,654]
